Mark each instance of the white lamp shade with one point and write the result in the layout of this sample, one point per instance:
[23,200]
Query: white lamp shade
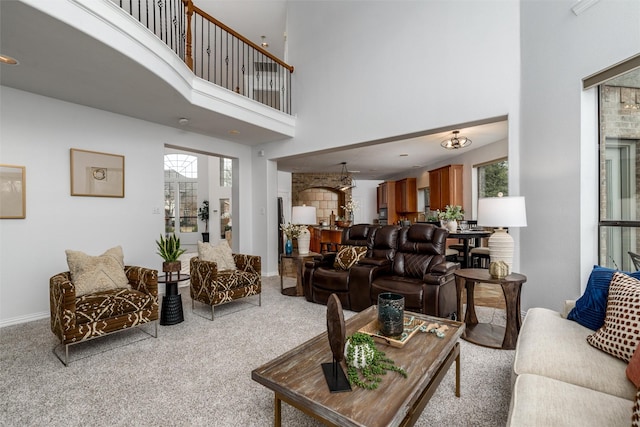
[303,215]
[502,212]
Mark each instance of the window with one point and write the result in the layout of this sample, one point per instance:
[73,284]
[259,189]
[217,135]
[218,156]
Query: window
[181,193]
[226,172]
[619,206]
[493,178]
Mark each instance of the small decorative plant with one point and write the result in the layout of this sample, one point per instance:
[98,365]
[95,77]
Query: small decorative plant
[292,231]
[203,215]
[452,213]
[350,207]
[365,363]
[169,250]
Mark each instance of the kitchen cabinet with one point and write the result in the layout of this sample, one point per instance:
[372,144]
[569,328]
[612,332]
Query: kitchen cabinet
[406,196]
[445,186]
[386,194]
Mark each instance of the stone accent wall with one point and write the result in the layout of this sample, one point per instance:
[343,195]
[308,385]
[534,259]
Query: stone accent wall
[319,190]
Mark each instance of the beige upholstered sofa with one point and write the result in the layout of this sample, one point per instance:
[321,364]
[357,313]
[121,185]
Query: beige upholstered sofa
[561,380]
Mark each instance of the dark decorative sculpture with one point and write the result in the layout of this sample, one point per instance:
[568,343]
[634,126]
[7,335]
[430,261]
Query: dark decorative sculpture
[336,332]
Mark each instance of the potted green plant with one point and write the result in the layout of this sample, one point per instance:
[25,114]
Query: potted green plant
[203,215]
[169,250]
[450,217]
[365,363]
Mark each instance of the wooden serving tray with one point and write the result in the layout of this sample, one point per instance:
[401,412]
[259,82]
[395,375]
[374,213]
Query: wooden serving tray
[411,326]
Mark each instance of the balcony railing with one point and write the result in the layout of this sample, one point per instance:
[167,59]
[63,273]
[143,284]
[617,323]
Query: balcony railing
[215,52]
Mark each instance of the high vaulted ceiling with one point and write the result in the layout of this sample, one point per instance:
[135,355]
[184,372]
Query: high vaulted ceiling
[59,61]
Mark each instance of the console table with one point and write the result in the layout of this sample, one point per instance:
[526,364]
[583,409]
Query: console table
[171,313]
[487,334]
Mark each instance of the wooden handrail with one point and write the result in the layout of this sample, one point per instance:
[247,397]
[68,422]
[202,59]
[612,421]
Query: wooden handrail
[213,20]
[188,58]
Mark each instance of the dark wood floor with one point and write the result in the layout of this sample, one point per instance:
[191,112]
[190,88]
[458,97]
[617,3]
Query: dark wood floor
[488,295]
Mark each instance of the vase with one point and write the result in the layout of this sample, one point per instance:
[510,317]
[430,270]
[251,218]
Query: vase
[288,247]
[391,314]
[451,225]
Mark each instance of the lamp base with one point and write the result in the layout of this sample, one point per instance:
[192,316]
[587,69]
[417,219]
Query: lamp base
[501,248]
[304,240]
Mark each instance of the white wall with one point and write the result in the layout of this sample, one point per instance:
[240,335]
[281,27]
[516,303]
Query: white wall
[383,69]
[366,194]
[37,132]
[558,50]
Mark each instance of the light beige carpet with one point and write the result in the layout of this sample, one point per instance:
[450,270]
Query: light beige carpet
[198,372]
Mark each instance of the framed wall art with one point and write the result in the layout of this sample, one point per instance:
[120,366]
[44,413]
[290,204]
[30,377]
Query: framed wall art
[13,196]
[96,174]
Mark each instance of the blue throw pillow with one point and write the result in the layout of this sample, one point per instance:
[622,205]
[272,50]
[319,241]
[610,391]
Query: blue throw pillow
[591,307]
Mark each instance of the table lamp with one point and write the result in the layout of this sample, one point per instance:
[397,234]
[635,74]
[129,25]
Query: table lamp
[303,216]
[501,212]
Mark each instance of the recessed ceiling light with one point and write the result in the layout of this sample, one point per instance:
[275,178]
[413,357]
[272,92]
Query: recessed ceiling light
[5,59]
[234,132]
[183,121]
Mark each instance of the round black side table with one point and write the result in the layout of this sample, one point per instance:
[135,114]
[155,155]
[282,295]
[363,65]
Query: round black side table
[171,313]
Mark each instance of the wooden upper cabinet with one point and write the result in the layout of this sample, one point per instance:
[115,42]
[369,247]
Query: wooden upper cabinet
[445,187]
[385,194]
[406,195]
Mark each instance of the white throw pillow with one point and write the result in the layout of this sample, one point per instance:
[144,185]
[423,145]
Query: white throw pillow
[221,254]
[92,274]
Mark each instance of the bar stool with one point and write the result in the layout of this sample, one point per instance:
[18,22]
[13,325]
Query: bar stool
[327,247]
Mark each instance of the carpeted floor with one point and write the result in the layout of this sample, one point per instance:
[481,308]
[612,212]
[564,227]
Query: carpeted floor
[199,372]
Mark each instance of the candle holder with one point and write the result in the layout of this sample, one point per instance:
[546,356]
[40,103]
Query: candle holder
[391,314]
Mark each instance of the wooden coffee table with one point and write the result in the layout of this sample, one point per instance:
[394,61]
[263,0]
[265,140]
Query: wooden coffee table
[297,378]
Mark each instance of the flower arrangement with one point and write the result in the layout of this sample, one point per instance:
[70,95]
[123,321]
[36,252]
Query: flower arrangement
[350,207]
[292,231]
[452,213]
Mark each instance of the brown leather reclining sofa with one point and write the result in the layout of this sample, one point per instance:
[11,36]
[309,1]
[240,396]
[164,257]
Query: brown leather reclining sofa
[406,260]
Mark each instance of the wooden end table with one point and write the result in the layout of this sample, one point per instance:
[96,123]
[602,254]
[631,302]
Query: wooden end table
[298,259]
[488,334]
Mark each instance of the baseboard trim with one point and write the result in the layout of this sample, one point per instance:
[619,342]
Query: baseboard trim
[24,319]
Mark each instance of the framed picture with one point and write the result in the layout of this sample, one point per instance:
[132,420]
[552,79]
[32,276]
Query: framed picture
[96,174]
[13,196]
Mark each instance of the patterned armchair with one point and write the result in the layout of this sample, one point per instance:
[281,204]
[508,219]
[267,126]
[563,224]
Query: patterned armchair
[214,287]
[76,319]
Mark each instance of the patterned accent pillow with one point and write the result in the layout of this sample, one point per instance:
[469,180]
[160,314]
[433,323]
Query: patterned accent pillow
[620,333]
[92,274]
[591,307]
[348,255]
[220,254]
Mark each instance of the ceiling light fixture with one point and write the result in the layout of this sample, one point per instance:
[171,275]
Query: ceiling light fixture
[183,121]
[456,142]
[346,181]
